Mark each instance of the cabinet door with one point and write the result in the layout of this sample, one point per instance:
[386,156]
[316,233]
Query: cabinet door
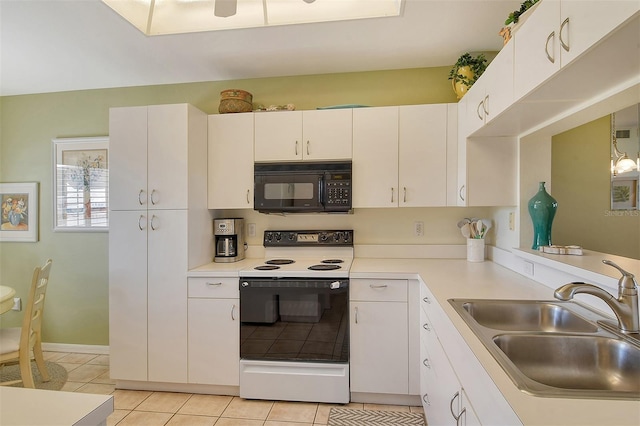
[537,51]
[468,416]
[230,161]
[422,155]
[375,157]
[128,158]
[499,83]
[167,296]
[167,151]
[128,295]
[278,136]
[379,347]
[585,22]
[327,134]
[441,384]
[474,113]
[214,341]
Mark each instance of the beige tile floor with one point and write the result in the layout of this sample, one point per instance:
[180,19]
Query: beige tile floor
[89,373]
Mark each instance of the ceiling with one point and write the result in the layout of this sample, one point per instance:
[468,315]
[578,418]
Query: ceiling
[63,45]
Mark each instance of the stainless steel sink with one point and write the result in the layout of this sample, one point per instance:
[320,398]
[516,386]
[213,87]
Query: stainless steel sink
[527,316]
[555,348]
[575,362]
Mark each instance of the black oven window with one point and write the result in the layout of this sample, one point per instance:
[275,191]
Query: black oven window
[288,191]
[294,324]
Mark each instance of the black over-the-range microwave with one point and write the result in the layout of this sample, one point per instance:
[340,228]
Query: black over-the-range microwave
[303,187]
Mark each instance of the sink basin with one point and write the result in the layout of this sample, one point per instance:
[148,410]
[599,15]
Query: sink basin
[527,316]
[574,361]
[556,348]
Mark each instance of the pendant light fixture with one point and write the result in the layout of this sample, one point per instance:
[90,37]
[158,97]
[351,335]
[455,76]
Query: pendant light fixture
[621,163]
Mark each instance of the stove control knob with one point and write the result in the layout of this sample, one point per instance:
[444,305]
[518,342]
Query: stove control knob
[323,237]
[337,236]
[291,236]
[278,236]
[268,236]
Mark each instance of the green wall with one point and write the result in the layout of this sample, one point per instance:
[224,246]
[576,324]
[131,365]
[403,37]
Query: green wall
[77,300]
[580,177]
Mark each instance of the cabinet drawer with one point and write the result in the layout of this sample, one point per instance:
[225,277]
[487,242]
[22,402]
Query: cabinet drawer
[214,287]
[378,290]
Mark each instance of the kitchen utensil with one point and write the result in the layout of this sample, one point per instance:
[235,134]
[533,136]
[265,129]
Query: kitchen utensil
[462,222]
[466,230]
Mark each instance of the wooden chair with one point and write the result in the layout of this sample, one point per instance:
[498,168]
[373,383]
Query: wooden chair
[17,343]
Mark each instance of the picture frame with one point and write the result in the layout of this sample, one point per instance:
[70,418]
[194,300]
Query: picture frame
[19,212]
[81,184]
[624,194]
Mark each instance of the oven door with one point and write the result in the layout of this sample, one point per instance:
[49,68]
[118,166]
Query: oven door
[294,319]
[288,192]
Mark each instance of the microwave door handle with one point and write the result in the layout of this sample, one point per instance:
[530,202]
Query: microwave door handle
[321,194]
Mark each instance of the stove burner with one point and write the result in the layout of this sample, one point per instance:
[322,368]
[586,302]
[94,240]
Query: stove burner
[324,267]
[279,262]
[333,261]
[266,267]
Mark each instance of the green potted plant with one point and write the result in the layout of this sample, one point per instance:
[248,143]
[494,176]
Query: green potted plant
[514,16]
[466,71]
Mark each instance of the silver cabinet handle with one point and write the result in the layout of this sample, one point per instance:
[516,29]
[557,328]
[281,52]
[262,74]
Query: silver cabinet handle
[214,284]
[392,194]
[451,406]
[296,148]
[564,45]
[378,285]
[248,202]
[481,117]
[427,300]
[153,200]
[308,148]
[426,363]
[425,398]
[460,192]
[405,194]
[426,326]
[140,200]
[356,316]
[153,220]
[233,308]
[551,59]
[140,221]
[485,105]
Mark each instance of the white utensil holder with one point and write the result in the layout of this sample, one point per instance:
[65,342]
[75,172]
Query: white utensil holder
[475,249]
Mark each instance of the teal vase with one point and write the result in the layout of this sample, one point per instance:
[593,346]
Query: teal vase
[542,209]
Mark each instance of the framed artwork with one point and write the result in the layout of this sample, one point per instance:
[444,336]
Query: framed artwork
[81,184]
[19,218]
[624,194]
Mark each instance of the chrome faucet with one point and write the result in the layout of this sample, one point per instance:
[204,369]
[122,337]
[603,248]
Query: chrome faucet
[625,307]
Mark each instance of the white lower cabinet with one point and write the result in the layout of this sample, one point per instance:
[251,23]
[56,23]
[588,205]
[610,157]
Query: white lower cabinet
[379,331]
[442,394]
[214,331]
[455,388]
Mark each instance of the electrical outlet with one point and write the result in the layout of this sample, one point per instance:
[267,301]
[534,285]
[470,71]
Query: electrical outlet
[251,229]
[418,229]
[528,268]
[17,304]
[512,221]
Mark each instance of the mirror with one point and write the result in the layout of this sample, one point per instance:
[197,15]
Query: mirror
[625,159]
[590,213]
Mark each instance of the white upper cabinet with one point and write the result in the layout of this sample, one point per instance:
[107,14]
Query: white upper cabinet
[422,155]
[559,31]
[149,162]
[303,135]
[375,157]
[230,161]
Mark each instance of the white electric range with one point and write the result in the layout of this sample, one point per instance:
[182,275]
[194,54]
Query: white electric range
[294,318]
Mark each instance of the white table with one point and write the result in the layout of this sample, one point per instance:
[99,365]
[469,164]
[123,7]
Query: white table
[34,407]
[6,298]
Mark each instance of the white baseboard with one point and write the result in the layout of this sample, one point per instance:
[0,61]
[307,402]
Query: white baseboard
[81,349]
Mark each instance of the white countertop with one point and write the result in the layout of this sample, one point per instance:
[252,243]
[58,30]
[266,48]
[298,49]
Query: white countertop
[33,407]
[456,278]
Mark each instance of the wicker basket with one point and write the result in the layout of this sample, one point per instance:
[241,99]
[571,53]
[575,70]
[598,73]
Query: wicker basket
[235,100]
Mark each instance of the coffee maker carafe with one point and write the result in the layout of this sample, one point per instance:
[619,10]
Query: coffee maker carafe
[229,239]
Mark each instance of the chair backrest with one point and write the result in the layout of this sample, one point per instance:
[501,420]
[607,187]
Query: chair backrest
[32,321]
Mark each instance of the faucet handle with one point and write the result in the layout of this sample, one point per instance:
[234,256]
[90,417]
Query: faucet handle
[627,280]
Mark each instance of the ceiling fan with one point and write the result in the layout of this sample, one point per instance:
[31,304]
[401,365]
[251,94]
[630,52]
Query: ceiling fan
[226,8]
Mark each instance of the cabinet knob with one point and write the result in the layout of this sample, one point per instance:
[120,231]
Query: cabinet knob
[140,200]
[141,220]
[308,153]
[356,314]
[405,194]
[296,148]
[153,199]
[426,300]
[392,190]
[233,308]
[426,363]
[460,192]
[248,191]
[425,398]
[426,326]
[153,222]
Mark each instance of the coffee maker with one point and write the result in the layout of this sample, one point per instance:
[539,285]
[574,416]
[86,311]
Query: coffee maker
[229,239]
